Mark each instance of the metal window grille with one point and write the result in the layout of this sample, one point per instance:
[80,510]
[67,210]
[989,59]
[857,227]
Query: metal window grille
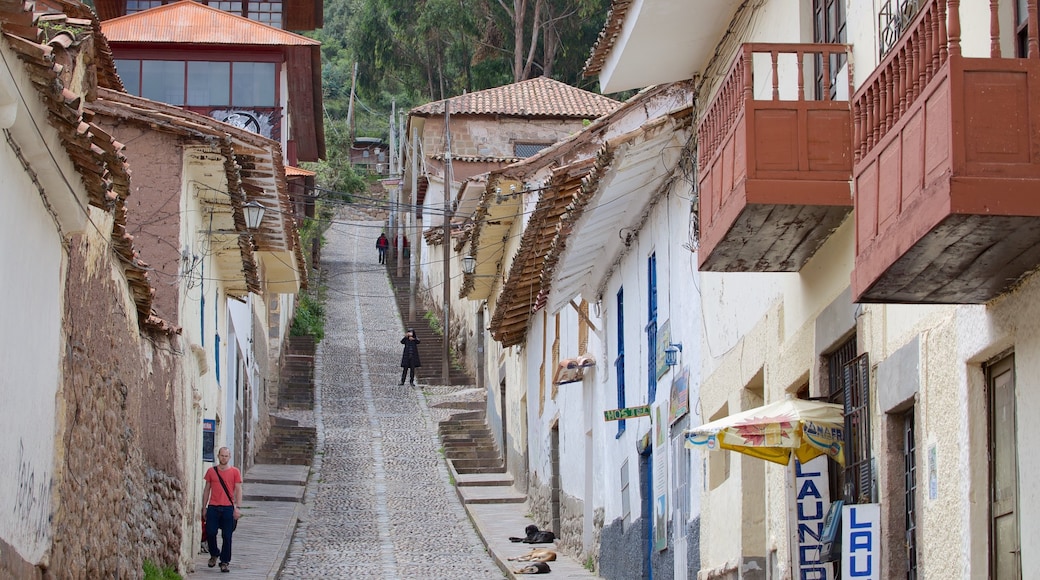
[525,150]
[856,379]
[910,475]
[894,19]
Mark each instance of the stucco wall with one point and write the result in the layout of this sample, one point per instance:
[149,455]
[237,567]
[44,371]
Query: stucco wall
[30,355]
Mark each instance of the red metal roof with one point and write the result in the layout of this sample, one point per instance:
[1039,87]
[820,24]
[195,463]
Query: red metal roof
[189,22]
[293,171]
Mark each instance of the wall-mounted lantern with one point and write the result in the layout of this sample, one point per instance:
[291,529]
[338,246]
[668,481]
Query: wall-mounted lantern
[671,354]
[469,265]
[254,211]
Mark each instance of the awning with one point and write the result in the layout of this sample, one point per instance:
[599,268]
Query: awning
[775,431]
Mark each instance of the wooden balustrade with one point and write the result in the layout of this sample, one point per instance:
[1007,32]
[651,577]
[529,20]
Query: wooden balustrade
[737,87]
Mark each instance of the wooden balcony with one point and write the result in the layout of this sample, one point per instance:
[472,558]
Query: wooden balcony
[775,168]
[947,175]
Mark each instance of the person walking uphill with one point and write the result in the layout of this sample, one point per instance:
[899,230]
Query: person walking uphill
[410,357]
[382,244]
[222,496]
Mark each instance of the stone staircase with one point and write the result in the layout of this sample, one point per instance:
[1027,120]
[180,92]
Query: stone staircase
[474,459]
[431,344]
[289,443]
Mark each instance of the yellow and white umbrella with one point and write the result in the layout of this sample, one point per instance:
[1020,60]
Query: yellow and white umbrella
[775,431]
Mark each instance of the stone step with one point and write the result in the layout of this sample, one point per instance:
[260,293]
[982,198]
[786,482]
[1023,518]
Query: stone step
[483,479]
[489,494]
[476,465]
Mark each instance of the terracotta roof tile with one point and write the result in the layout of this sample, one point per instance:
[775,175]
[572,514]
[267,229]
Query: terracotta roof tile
[540,97]
[52,57]
[253,163]
[607,37]
[190,22]
[523,289]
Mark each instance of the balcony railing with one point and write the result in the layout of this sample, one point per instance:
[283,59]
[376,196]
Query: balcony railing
[775,157]
[946,168]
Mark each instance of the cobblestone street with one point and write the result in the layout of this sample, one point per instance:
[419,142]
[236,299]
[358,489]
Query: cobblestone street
[379,503]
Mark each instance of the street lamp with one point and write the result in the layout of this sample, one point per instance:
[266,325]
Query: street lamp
[254,211]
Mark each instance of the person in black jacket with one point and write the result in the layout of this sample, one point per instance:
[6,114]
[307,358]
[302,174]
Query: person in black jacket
[410,357]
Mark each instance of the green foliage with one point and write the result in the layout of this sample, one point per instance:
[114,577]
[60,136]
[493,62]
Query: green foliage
[590,563]
[434,322]
[411,53]
[335,172]
[153,572]
[310,315]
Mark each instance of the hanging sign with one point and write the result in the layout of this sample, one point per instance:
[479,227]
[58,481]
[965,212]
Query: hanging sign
[861,542]
[811,503]
[626,413]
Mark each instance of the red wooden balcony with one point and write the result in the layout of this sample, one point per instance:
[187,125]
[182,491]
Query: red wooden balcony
[775,168]
[947,175]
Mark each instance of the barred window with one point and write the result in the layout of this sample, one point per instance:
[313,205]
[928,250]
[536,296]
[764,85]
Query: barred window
[856,390]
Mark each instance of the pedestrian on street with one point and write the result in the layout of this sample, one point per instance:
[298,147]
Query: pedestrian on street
[382,244]
[410,357]
[222,496]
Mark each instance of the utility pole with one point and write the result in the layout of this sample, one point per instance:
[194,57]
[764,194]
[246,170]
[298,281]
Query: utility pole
[399,223]
[350,106]
[447,240]
[411,209]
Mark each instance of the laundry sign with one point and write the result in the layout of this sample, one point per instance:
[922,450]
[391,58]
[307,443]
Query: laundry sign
[861,542]
[810,502]
[626,413]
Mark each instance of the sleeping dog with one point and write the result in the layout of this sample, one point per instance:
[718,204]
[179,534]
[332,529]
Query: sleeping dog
[535,536]
[536,555]
[534,568]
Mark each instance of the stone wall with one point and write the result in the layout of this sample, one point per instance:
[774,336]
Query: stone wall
[120,489]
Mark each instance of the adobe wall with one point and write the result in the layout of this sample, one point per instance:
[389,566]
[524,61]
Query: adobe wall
[120,487]
[154,216]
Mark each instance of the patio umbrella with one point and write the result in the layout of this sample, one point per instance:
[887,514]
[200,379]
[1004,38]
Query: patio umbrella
[775,431]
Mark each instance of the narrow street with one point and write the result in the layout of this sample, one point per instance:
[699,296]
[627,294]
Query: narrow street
[379,503]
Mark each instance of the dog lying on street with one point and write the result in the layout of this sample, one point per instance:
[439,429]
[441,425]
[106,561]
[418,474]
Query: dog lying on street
[534,568]
[536,555]
[535,536]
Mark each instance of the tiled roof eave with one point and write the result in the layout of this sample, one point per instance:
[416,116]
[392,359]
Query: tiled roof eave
[97,158]
[521,292]
[607,37]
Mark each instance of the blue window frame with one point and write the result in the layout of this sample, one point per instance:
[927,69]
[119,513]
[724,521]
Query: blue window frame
[651,328]
[619,364]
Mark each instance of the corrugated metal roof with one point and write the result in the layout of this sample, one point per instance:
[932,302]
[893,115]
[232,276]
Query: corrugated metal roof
[293,171]
[189,22]
[540,97]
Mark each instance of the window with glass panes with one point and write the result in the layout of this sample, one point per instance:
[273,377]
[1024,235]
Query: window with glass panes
[619,363]
[828,27]
[199,83]
[268,12]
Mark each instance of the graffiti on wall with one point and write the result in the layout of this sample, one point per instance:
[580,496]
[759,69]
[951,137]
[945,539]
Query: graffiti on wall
[32,501]
[252,121]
